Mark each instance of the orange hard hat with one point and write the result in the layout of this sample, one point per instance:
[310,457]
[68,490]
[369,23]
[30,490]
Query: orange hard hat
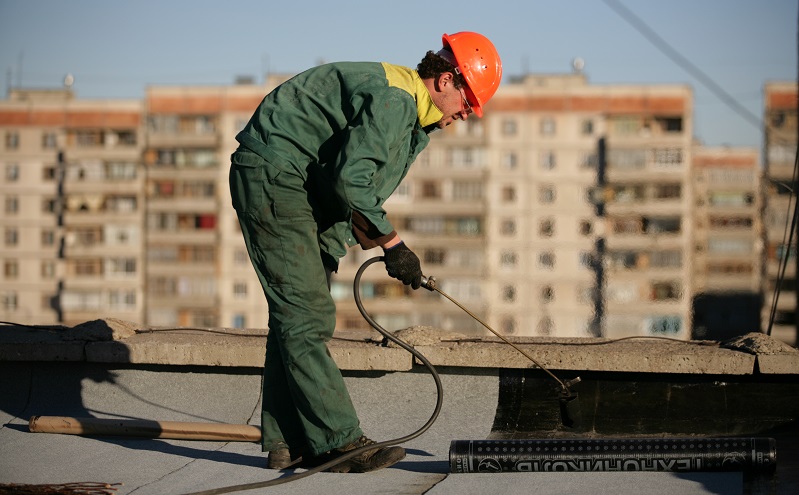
[474,56]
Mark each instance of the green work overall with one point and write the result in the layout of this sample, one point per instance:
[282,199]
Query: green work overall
[336,139]
[305,401]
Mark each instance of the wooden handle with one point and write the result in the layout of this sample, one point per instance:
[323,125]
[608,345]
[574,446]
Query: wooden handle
[145,428]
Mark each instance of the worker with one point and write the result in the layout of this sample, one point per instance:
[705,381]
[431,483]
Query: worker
[315,163]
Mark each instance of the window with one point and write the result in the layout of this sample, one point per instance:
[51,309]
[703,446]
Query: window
[11,236]
[240,257]
[126,138]
[733,199]
[624,259]
[630,193]
[120,170]
[664,325]
[49,140]
[781,153]
[626,126]
[508,194]
[545,326]
[730,246]
[548,126]
[12,140]
[239,321]
[667,191]
[665,259]
[508,259]
[670,124]
[121,204]
[507,227]
[8,301]
[630,159]
[48,237]
[664,291]
[586,227]
[666,225]
[202,318]
[547,294]
[666,156]
[465,157]
[88,138]
[124,300]
[546,194]
[462,190]
[403,192]
[434,256]
[740,268]
[468,226]
[430,190]
[589,160]
[546,260]
[85,236]
[548,161]
[509,293]
[12,205]
[50,205]
[121,266]
[546,228]
[240,290]
[11,269]
[12,172]
[48,269]
[587,127]
[427,225]
[509,127]
[510,160]
[197,254]
[87,267]
[509,325]
[735,222]
[622,292]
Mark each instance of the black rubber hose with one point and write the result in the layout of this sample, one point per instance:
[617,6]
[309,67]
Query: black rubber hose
[378,445]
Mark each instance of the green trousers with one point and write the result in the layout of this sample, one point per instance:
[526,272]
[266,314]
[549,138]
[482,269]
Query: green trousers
[306,405]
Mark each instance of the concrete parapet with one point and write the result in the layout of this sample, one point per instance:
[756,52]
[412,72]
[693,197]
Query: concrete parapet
[114,341]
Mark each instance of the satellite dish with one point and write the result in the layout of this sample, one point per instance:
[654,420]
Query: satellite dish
[69,80]
[578,64]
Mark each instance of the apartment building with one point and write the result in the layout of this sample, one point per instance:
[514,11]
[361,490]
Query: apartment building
[571,209]
[198,272]
[728,245]
[564,212]
[780,142]
[72,198]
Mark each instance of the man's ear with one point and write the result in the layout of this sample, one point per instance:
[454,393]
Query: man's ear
[444,79]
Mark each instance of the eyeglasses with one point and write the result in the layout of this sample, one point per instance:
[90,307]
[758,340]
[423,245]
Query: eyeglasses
[466,107]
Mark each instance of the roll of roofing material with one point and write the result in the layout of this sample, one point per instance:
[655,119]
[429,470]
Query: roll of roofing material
[617,454]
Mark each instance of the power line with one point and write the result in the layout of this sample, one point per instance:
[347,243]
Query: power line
[683,62]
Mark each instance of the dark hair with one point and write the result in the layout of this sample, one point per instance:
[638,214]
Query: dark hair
[433,66]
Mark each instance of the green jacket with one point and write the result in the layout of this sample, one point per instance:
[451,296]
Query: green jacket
[351,130]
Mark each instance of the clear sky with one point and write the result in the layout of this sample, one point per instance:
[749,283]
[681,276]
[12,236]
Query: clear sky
[115,49]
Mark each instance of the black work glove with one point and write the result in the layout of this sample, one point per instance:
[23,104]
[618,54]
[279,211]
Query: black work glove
[404,265]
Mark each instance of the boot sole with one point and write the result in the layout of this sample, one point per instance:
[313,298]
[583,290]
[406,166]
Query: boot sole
[348,467]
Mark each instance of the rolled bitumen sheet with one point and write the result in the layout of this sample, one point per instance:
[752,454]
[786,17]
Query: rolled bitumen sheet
[617,454]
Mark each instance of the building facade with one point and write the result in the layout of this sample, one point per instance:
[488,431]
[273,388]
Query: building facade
[780,317]
[72,194]
[571,209]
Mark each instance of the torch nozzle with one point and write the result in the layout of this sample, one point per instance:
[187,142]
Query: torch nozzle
[429,283]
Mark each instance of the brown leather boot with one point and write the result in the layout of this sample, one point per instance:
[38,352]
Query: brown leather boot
[369,460]
[282,459]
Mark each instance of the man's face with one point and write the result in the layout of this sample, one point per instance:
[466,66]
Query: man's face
[451,101]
